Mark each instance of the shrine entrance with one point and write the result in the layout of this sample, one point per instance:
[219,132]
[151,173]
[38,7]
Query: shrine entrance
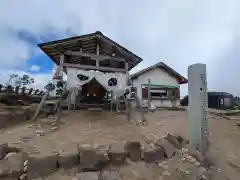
[93,92]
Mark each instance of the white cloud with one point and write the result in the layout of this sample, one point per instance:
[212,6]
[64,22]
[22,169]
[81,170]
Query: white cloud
[178,33]
[35,68]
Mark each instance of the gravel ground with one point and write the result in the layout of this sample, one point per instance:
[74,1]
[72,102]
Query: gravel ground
[102,128]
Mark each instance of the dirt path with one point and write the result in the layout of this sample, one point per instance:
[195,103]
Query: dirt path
[104,128]
[95,128]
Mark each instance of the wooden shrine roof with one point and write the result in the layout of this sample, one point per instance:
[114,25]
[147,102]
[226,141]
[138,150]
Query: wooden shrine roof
[88,43]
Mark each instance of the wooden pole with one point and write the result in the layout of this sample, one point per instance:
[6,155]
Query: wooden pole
[127,103]
[59,71]
[97,52]
[144,120]
[149,93]
[34,118]
[111,101]
[61,94]
[69,101]
[127,73]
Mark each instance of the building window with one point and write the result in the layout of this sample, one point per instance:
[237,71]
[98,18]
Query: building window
[155,93]
[160,92]
[144,93]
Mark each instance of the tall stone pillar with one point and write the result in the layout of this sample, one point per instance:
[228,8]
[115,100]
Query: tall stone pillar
[197,106]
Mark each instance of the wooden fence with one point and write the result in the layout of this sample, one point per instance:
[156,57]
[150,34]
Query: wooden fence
[10,95]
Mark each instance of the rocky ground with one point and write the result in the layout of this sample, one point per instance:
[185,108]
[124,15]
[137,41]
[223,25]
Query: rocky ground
[102,128]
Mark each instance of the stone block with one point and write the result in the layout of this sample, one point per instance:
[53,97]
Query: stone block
[173,140]
[69,158]
[92,159]
[169,149]
[41,165]
[12,165]
[153,154]
[133,148]
[11,118]
[14,149]
[4,119]
[87,176]
[117,153]
[106,175]
[3,150]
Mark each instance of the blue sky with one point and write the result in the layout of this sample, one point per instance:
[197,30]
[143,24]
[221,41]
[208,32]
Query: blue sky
[179,33]
[42,61]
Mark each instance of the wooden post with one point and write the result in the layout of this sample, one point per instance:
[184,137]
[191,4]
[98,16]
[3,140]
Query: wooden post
[34,118]
[61,78]
[69,101]
[127,73]
[144,120]
[58,73]
[149,93]
[111,101]
[127,103]
[128,110]
[97,52]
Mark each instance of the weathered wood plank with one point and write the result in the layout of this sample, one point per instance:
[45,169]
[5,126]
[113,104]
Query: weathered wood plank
[34,118]
[94,67]
[93,56]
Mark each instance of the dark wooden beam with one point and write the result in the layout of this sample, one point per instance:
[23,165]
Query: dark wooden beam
[93,56]
[99,68]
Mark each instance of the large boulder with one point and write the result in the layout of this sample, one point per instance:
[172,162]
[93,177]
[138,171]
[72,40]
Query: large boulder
[133,148]
[117,153]
[92,159]
[153,153]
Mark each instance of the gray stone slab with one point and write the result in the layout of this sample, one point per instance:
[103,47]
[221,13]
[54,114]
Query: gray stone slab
[92,159]
[106,175]
[69,158]
[133,148]
[173,140]
[153,154]
[169,149]
[3,150]
[87,176]
[117,153]
[41,165]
